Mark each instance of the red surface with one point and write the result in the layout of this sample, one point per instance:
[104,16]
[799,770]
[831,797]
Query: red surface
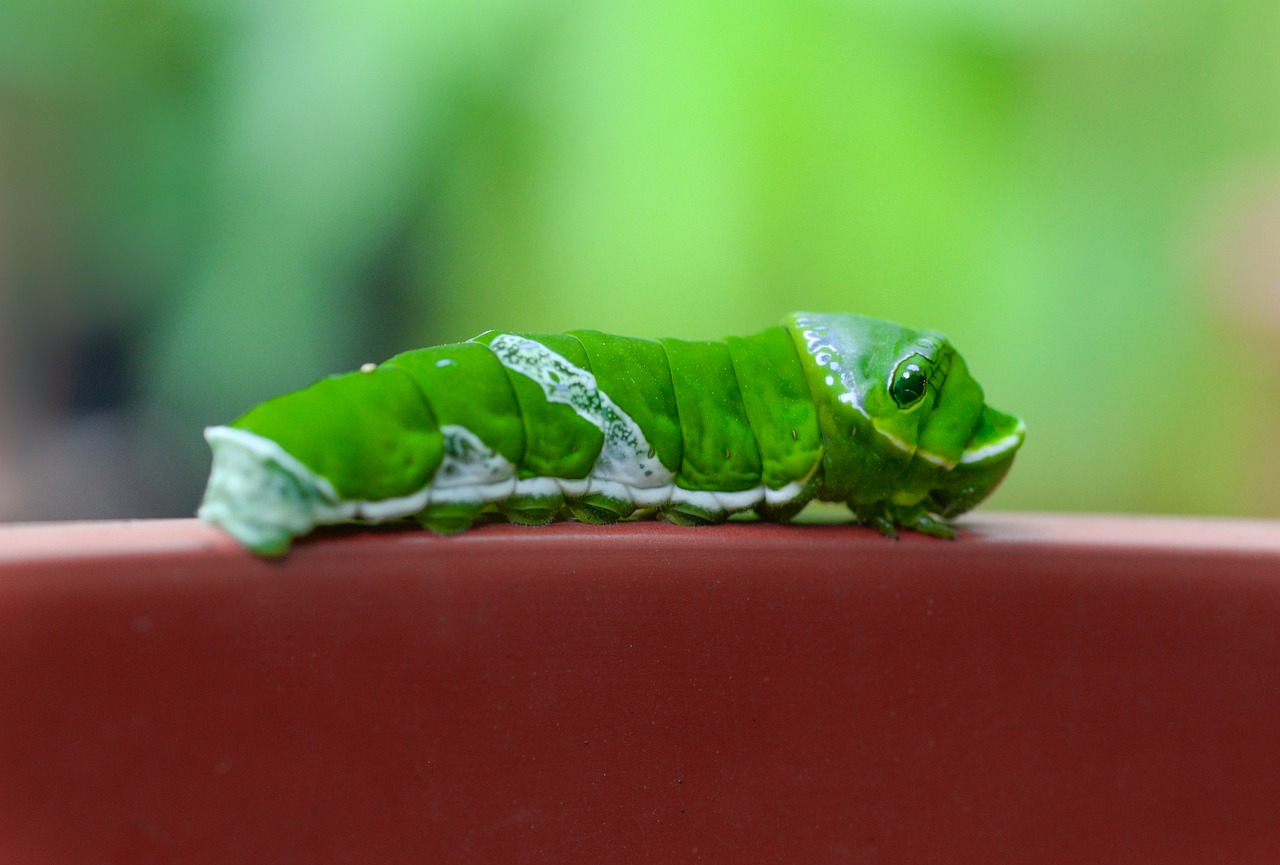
[1047,689]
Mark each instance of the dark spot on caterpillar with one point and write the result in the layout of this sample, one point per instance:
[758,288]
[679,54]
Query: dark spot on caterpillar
[648,472]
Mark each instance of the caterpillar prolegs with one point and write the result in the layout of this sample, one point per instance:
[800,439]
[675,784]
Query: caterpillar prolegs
[538,427]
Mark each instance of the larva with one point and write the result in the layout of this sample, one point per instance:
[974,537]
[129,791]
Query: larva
[538,427]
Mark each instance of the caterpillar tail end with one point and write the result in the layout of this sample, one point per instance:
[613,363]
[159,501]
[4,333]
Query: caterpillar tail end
[256,495]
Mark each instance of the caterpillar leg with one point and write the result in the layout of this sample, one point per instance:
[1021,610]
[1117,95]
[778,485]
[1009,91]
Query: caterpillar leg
[600,510]
[538,510]
[881,523]
[687,514]
[449,518]
[887,518]
[915,517]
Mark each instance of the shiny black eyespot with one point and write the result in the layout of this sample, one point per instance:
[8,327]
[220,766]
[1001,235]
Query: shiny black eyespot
[909,384]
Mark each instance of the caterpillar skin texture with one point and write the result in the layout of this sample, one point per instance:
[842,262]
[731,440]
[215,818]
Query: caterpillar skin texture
[539,427]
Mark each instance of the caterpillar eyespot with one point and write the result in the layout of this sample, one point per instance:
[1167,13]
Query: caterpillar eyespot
[910,382]
[835,407]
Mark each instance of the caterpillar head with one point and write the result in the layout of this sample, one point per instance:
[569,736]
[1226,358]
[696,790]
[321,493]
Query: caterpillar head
[984,461]
[905,426]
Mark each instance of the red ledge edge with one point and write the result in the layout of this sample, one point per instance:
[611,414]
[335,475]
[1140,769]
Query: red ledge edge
[1047,689]
[32,542]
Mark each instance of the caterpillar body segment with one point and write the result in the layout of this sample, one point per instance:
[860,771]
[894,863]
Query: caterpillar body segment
[537,427]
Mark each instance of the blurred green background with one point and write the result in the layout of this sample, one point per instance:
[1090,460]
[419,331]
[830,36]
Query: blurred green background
[204,203]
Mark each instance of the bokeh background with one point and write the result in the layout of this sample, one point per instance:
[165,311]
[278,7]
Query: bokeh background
[204,203]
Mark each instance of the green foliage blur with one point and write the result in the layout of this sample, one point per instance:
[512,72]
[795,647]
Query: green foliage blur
[204,203]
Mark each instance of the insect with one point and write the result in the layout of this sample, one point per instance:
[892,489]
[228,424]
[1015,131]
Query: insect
[599,428]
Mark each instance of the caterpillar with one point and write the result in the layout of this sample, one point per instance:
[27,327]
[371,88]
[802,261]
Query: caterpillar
[585,425]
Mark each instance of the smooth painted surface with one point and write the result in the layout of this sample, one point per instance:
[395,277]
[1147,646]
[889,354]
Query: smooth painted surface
[1046,689]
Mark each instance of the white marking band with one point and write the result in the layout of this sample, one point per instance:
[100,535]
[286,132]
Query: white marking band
[624,456]
[828,350]
[263,495]
[992,449]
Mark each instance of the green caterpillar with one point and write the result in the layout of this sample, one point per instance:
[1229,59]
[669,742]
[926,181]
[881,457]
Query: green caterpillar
[537,427]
